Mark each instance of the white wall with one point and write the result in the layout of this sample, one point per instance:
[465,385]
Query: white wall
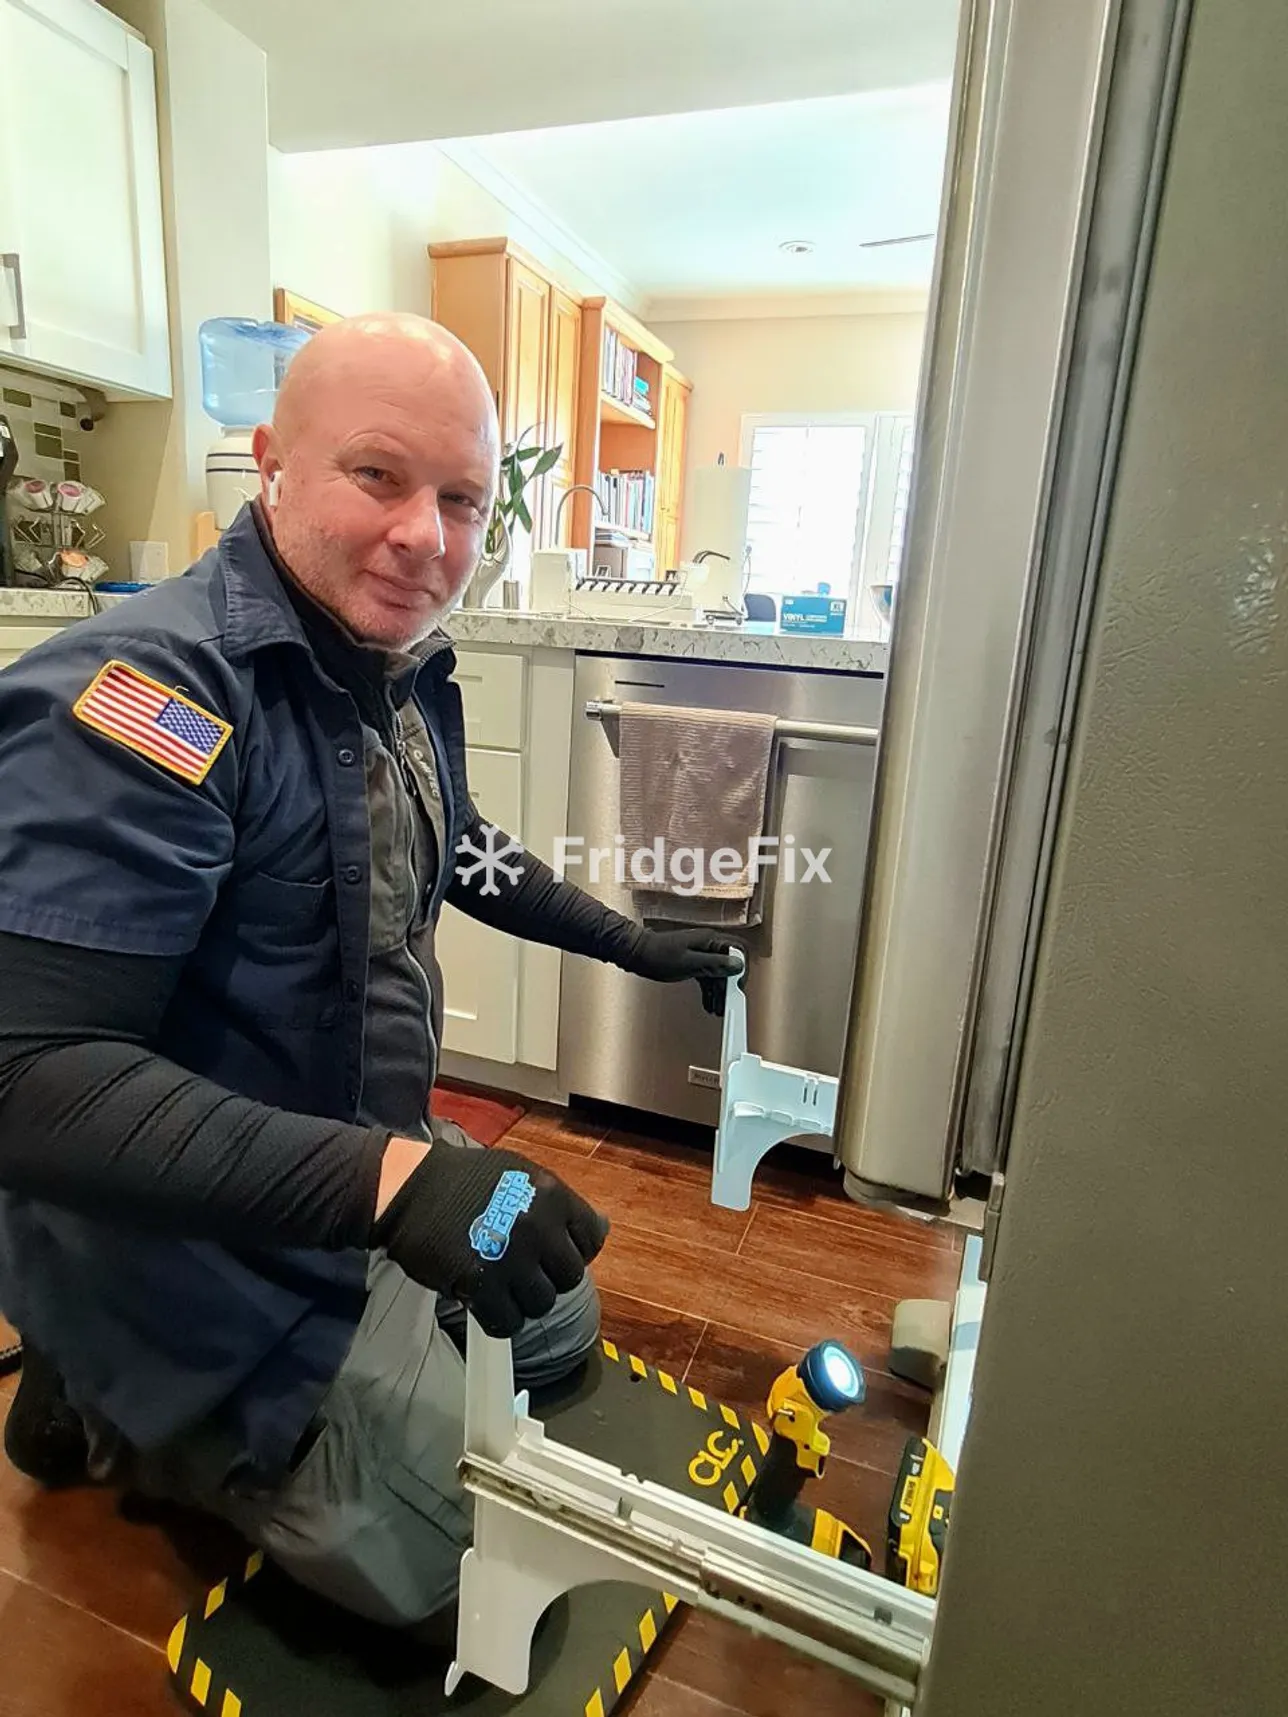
[789,363]
[349,227]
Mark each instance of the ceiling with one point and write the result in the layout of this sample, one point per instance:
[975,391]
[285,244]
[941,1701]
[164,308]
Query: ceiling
[698,204]
[343,74]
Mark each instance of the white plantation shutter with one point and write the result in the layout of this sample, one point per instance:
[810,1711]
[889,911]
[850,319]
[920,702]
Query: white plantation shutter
[807,483]
[829,504]
[904,439]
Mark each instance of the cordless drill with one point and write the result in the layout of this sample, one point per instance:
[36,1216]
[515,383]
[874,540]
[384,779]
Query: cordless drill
[827,1380]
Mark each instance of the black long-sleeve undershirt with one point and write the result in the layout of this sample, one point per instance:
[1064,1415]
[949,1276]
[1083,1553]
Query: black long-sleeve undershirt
[93,1118]
[544,907]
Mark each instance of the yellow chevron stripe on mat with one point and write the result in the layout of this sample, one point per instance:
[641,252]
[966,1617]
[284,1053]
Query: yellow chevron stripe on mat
[762,1437]
[200,1682]
[622,1669]
[729,1416]
[670,1600]
[214,1597]
[638,1366]
[748,1469]
[254,1562]
[730,1497]
[595,1704]
[610,1349]
[174,1645]
[648,1631]
[667,1381]
[231,1706]
[698,1399]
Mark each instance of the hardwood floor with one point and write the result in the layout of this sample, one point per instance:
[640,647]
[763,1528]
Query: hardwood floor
[724,1300]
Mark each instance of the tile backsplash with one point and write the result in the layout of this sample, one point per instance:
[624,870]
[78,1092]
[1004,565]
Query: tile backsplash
[45,420]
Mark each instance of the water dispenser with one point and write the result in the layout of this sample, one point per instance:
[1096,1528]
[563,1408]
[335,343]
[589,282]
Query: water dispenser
[242,365]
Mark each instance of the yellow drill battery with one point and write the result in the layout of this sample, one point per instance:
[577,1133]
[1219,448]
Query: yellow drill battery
[919,1514]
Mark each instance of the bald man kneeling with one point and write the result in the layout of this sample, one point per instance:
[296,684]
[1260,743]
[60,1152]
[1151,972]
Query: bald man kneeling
[237,1247]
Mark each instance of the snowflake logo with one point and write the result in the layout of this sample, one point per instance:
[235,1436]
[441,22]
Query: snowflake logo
[490,859]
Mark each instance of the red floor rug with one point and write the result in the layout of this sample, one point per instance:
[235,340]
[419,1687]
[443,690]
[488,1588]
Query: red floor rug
[486,1119]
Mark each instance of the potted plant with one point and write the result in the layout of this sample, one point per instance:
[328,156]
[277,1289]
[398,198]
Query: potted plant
[521,466]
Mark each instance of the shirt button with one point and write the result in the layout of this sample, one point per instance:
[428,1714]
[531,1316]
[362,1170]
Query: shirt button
[353,873]
[345,756]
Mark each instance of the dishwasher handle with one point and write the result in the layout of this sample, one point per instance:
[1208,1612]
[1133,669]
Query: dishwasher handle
[598,709]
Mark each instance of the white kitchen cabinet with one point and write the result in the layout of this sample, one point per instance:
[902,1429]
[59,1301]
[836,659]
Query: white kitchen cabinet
[481,966]
[17,637]
[502,994]
[82,261]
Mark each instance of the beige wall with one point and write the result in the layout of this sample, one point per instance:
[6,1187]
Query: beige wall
[349,227]
[1117,1541]
[791,364]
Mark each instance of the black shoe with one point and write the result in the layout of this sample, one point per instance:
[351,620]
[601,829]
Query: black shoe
[43,1436]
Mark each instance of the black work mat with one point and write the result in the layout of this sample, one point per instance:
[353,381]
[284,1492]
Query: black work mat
[265,1648]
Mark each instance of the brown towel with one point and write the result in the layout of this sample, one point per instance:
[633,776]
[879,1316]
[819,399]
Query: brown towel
[694,779]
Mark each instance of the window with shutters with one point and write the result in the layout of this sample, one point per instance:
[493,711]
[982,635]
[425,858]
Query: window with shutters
[829,505]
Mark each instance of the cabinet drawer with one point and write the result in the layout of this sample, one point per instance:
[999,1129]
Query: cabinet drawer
[492,698]
[17,639]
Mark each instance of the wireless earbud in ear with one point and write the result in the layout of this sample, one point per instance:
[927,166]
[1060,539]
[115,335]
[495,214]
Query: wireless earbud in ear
[274,488]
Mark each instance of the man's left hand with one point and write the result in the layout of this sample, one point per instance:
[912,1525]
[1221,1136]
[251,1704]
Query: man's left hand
[672,955]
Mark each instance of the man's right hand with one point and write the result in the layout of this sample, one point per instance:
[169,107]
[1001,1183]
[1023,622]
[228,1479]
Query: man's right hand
[499,1233]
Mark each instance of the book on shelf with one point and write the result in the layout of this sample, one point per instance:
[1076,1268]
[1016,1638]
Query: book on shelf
[627,498]
[618,371]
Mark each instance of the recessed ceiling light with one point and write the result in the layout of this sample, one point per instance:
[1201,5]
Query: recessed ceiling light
[797,246]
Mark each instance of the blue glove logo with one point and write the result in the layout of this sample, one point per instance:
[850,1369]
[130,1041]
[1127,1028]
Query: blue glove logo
[490,1233]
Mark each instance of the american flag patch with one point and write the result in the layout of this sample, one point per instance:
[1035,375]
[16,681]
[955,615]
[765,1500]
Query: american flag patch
[161,725]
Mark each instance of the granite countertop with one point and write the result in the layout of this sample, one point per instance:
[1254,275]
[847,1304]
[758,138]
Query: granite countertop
[760,647]
[765,649]
[18,604]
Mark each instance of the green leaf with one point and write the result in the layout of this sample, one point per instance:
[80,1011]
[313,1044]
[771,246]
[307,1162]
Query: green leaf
[521,513]
[529,453]
[547,462]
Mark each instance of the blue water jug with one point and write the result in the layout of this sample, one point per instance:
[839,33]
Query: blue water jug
[242,365]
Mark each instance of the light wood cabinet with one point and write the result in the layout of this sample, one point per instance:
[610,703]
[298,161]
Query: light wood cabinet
[673,431]
[82,264]
[562,372]
[563,379]
[527,351]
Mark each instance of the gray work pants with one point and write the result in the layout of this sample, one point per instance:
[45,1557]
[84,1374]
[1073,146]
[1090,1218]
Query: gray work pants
[373,1515]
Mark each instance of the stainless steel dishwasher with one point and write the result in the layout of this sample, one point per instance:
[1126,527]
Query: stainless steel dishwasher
[628,1040]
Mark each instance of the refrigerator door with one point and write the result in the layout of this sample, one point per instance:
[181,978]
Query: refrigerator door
[1062,118]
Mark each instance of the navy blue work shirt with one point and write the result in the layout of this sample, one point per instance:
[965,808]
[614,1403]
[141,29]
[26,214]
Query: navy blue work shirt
[259,877]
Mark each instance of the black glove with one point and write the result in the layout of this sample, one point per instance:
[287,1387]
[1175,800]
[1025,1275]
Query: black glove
[498,1233]
[670,955]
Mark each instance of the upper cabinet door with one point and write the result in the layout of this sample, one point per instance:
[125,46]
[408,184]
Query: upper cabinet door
[564,369]
[526,345]
[82,284]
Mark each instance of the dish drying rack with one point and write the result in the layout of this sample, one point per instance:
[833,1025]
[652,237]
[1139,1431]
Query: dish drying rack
[653,601]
